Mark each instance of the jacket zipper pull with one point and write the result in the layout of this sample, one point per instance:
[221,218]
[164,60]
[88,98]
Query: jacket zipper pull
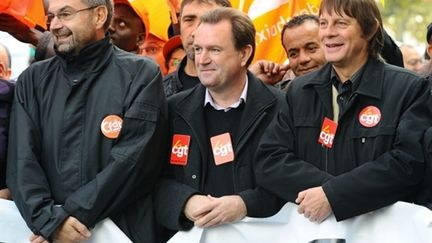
[363,140]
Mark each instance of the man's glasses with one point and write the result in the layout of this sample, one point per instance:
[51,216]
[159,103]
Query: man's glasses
[65,15]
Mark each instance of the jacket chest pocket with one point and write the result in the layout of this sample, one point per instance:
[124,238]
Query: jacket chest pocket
[370,143]
[307,130]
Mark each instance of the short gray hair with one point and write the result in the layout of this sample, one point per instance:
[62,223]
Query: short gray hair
[109,4]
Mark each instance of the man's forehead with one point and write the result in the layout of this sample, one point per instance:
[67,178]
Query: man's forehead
[198,8]
[63,4]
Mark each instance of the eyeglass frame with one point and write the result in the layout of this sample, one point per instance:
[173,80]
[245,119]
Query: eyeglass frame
[64,16]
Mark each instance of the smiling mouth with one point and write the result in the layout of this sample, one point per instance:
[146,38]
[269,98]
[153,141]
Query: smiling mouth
[333,45]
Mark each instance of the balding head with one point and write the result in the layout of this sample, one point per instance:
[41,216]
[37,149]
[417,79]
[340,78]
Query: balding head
[5,63]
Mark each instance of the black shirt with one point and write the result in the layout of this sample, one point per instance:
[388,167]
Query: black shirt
[187,81]
[219,178]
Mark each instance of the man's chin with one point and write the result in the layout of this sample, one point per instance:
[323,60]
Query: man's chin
[64,49]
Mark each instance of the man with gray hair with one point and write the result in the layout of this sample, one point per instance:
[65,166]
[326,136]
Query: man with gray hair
[87,131]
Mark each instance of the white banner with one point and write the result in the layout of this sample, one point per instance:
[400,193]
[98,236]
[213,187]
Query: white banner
[13,229]
[399,223]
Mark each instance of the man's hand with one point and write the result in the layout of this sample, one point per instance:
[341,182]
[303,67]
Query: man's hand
[19,30]
[194,207]
[313,204]
[72,230]
[37,239]
[222,210]
[5,194]
[268,71]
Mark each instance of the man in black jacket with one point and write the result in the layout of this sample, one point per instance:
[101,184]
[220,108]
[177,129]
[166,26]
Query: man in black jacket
[215,128]
[350,139]
[88,130]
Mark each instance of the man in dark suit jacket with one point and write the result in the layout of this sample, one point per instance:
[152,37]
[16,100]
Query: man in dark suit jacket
[215,129]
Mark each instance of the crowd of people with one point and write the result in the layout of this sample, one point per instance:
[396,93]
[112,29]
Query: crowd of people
[113,121]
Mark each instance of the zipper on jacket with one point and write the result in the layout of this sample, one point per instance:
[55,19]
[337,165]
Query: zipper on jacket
[325,163]
[326,160]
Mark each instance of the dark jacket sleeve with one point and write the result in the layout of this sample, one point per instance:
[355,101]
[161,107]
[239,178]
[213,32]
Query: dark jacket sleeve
[276,162]
[393,176]
[6,95]
[25,176]
[425,194]
[136,157]
[261,203]
[170,199]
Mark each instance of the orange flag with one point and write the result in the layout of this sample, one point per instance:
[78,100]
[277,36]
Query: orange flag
[29,12]
[269,17]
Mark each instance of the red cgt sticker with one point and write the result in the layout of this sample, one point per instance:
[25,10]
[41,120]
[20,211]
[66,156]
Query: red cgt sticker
[180,149]
[370,116]
[328,132]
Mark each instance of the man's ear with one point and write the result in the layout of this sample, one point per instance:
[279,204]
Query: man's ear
[5,72]
[246,53]
[372,33]
[101,16]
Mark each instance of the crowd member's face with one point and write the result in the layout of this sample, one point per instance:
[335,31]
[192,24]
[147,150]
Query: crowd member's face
[303,48]
[153,48]
[412,59]
[176,57]
[189,20]
[126,30]
[5,71]
[219,65]
[74,25]
[342,39]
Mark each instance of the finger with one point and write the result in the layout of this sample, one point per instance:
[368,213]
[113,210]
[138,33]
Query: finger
[276,69]
[214,222]
[81,229]
[75,236]
[202,210]
[301,209]
[205,219]
[300,197]
[38,239]
[33,236]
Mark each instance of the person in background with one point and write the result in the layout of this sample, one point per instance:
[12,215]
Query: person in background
[412,59]
[215,128]
[6,95]
[152,48]
[130,26]
[185,77]
[88,131]
[173,53]
[302,45]
[349,140]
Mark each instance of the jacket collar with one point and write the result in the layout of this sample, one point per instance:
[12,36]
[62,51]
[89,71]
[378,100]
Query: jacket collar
[91,58]
[259,98]
[370,83]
